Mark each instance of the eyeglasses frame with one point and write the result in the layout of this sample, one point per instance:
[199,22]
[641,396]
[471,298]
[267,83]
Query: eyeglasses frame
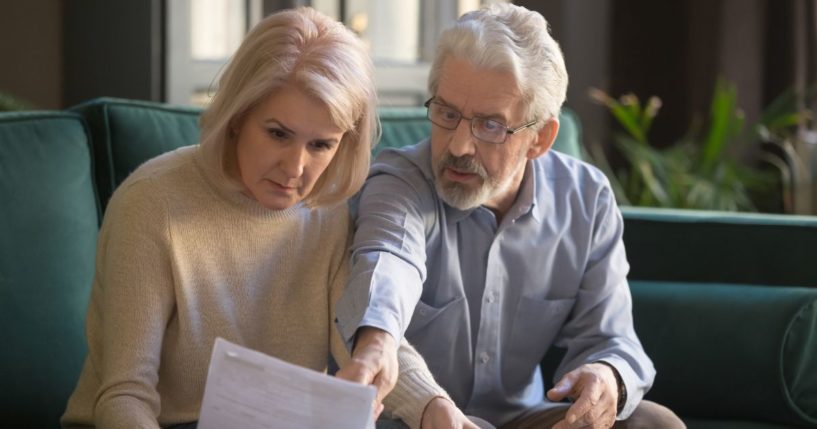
[508,131]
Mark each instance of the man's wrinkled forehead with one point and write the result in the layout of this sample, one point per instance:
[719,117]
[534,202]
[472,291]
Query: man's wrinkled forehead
[478,91]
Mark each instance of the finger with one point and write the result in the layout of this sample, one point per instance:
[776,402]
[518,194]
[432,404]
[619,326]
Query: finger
[589,397]
[377,409]
[563,388]
[580,424]
[601,415]
[468,424]
[606,420]
[561,424]
[383,386]
[577,413]
[356,371]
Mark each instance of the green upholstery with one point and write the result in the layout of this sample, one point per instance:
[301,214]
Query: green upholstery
[731,351]
[726,306]
[701,246]
[403,126]
[731,424]
[48,229]
[126,133]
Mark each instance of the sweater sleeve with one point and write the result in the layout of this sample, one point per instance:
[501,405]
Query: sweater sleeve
[131,304]
[339,273]
[415,387]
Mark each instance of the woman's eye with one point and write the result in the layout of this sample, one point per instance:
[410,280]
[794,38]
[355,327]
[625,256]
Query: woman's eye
[321,145]
[277,133]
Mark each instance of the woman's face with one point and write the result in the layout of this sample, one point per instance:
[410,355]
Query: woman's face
[283,146]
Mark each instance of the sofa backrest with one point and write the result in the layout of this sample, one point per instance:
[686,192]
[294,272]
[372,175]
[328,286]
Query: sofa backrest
[48,229]
[126,133]
[403,126]
[720,247]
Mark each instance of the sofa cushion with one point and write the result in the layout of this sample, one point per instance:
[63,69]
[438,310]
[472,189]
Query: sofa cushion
[731,351]
[404,126]
[48,230]
[733,424]
[126,133]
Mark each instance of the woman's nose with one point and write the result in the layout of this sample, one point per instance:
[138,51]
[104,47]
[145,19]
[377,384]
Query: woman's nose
[294,161]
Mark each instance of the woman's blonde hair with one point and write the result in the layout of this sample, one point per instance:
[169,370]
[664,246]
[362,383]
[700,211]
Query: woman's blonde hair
[304,48]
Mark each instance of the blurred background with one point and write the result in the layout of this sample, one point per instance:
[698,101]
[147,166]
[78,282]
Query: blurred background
[684,103]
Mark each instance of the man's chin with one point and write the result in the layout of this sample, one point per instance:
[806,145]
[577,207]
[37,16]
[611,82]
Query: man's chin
[460,197]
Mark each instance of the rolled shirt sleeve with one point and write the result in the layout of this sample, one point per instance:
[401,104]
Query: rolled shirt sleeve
[388,252]
[601,326]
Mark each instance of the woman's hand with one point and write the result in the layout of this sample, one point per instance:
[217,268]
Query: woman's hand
[440,413]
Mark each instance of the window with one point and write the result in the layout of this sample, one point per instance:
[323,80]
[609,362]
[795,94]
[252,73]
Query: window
[401,36]
[201,37]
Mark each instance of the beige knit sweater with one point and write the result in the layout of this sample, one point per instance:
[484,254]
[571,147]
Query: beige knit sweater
[182,260]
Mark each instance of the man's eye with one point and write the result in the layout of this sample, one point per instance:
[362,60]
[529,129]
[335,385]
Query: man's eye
[492,126]
[449,115]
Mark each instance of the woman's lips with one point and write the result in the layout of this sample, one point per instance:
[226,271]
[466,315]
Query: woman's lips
[281,188]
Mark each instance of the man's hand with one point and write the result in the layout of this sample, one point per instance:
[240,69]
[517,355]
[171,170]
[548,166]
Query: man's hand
[440,413]
[374,361]
[593,386]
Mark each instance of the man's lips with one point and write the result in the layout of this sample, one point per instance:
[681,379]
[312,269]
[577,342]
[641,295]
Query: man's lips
[460,176]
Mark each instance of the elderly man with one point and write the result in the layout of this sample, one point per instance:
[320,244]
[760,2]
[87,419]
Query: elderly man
[486,248]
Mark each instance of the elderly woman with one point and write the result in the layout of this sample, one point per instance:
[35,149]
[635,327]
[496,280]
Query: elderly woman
[243,236]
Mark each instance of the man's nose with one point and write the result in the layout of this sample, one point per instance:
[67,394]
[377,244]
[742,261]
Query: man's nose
[463,141]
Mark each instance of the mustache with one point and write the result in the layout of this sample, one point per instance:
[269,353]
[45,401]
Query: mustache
[466,164]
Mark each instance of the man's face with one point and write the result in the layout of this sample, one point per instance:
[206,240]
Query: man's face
[469,172]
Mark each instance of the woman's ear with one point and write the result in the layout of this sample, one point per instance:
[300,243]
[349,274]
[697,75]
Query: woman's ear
[544,139]
[235,125]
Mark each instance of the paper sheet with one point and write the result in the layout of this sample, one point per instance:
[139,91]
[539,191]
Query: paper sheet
[248,389]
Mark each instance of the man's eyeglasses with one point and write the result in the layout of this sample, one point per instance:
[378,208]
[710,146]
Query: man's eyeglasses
[484,129]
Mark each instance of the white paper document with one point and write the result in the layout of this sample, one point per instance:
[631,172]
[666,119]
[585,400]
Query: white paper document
[248,389]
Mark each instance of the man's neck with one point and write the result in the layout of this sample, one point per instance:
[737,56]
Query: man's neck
[506,196]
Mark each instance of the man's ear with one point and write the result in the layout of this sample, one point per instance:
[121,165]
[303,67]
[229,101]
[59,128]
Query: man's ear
[544,139]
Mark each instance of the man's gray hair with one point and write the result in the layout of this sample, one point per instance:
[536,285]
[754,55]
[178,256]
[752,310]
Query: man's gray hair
[509,38]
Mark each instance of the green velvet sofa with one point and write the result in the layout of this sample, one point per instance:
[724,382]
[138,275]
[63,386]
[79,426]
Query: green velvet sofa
[725,303]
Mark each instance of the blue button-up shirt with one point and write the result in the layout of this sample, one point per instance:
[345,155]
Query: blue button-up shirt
[488,299]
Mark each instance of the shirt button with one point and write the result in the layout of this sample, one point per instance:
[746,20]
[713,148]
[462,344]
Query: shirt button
[484,358]
[490,298]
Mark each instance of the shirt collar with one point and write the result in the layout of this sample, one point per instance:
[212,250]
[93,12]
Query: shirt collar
[526,199]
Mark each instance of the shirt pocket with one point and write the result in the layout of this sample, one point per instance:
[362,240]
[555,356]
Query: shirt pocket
[438,333]
[425,314]
[535,325]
